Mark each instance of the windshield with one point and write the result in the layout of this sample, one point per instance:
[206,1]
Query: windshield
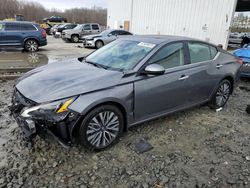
[78,27]
[120,55]
[106,32]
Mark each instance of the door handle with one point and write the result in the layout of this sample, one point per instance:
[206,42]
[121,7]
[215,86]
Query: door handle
[219,66]
[183,77]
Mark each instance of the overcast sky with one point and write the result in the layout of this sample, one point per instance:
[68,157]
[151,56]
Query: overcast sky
[67,4]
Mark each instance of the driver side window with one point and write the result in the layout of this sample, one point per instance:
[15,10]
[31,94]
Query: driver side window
[169,56]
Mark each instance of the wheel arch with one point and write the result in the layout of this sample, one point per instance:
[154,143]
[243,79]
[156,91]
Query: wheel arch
[99,40]
[31,38]
[113,102]
[230,78]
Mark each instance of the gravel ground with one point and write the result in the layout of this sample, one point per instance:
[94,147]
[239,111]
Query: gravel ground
[195,148]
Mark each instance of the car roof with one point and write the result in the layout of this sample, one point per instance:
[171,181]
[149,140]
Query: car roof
[158,39]
[110,30]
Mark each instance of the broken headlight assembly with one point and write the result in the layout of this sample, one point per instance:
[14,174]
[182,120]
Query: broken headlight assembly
[54,111]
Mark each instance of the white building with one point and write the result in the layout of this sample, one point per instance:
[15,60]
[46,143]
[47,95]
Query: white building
[208,20]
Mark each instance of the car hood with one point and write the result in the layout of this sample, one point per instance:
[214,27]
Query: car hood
[243,53]
[92,36]
[65,79]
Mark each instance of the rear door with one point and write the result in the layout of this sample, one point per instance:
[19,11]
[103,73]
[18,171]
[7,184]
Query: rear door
[95,28]
[203,72]
[13,35]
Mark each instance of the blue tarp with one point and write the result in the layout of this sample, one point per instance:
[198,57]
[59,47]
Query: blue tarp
[243,53]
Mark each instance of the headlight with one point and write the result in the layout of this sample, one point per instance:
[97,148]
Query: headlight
[55,111]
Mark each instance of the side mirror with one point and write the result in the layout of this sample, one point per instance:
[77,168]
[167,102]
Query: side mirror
[154,69]
[109,35]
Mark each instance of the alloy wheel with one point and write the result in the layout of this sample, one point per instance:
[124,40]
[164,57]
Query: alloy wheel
[31,46]
[103,129]
[223,94]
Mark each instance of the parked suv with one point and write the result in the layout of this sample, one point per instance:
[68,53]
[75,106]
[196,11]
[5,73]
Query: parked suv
[26,35]
[74,35]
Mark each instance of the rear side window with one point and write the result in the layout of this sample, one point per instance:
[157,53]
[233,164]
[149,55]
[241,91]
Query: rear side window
[27,27]
[199,52]
[214,51]
[12,27]
[124,33]
[1,27]
[95,27]
[170,56]
[114,33]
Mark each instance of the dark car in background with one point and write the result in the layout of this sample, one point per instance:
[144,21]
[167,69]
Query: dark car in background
[58,30]
[63,27]
[54,29]
[55,19]
[93,99]
[27,35]
[105,37]
[244,55]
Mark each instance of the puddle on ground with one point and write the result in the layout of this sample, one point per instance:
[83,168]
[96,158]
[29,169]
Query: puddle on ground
[15,59]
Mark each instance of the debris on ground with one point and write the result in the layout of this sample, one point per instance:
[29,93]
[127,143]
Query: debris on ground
[141,145]
[218,109]
[79,46]
[246,88]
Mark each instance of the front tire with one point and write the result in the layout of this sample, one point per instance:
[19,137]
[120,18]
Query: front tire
[99,44]
[31,45]
[101,128]
[221,95]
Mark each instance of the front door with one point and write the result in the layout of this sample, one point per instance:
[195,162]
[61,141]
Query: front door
[156,95]
[86,30]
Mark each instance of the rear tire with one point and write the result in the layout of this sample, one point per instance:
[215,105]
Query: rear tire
[221,95]
[31,45]
[75,38]
[101,127]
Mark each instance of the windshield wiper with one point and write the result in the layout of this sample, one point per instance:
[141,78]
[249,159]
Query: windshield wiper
[97,65]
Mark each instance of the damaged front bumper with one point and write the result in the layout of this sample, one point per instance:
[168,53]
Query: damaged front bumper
[60,129]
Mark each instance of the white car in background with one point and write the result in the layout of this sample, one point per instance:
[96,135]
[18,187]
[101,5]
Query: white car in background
[105,37]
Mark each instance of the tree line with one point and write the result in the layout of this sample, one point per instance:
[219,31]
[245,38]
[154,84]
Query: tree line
[33,11]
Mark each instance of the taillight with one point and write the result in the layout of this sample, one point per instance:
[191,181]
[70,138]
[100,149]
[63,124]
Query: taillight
[44,35]
[240,61]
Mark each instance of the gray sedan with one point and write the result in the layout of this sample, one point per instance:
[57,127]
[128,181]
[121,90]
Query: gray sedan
[127,82]
[107,36]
